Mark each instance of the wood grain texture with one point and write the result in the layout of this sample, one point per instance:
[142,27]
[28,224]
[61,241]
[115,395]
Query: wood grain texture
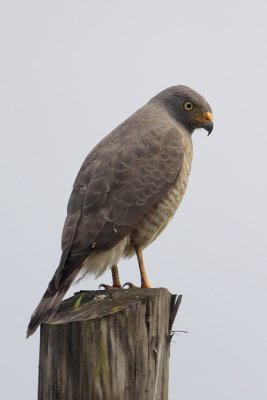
[108,346]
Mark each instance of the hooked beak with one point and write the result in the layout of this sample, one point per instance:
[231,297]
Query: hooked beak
[208,126]
[205,121]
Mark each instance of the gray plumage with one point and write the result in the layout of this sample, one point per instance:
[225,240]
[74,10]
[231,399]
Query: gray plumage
[127,190]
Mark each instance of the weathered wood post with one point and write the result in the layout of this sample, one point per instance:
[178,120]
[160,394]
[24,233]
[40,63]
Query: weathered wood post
[108,345]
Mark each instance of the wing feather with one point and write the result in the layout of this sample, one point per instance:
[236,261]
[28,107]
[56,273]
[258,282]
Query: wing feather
[117,199]
[120,180]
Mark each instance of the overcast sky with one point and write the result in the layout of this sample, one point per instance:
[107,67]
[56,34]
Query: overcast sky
[71,71]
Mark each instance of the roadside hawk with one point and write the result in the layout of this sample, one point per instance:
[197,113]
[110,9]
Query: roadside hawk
[126,192]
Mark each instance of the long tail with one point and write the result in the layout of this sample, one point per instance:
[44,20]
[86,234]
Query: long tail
[53,295]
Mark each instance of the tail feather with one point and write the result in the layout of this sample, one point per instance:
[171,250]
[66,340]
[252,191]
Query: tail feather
[52,297]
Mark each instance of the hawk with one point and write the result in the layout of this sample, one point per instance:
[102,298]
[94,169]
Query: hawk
[127,191]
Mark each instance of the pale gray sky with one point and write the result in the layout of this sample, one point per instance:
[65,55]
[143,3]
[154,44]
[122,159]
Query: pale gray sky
[70,72]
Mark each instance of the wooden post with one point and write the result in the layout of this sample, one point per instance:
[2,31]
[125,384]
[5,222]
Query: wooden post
[108,345]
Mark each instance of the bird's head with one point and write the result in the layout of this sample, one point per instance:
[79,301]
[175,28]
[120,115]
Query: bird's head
[187,107]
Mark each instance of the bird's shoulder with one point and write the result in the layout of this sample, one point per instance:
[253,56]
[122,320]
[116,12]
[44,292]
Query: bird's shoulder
[128,172]
[150,128]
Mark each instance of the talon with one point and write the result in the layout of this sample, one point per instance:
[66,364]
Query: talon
[108,287]
[102,285]
[130,284]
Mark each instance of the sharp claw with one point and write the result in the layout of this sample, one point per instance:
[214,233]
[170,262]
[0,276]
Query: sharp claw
[102,285]
[108,287]
[130,284]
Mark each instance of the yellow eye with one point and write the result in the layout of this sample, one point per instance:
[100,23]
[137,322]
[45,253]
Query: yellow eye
[188,106]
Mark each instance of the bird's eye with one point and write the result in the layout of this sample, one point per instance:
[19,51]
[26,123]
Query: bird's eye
[188,106]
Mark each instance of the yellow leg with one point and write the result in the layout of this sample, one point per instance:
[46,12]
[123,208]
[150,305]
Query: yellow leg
[144,279]
[115,277]
[116,283]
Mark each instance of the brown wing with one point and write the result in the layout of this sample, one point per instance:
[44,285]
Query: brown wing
[113,191]
[123,177]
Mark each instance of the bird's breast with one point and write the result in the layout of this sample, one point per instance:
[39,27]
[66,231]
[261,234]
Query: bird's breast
[157,218]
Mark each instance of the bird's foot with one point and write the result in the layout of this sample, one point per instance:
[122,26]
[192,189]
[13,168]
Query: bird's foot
[144,285]
[130,285]
[109,287]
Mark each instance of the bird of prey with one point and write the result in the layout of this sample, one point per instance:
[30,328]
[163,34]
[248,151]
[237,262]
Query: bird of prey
[127,191]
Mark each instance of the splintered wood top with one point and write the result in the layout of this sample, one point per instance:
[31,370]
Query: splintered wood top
[85,305]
